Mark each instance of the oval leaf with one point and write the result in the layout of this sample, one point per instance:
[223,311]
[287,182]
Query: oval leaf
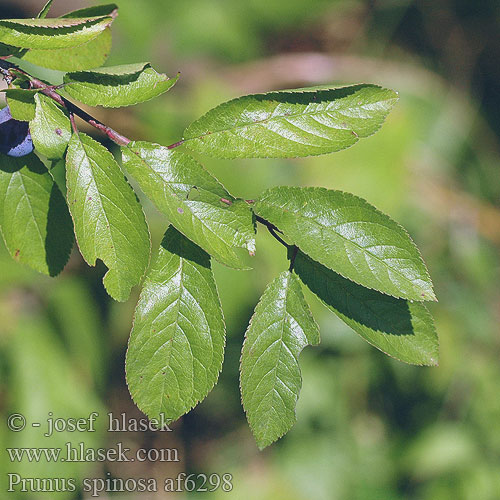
[86,56]
[116,86]
[270,379]
[41,15]
[398,327]
[291,123]
[109,221]
[50,128]
[51,33]
[349,236]
[191,198]
[176,346]
[89,55]
[34,218]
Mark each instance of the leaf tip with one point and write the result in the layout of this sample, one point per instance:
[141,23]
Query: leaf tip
[429,296]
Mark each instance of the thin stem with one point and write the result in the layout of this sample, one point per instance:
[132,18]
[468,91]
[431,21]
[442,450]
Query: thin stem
[176,144]
[272,229]
[49,91]
[116,137]
[73,123]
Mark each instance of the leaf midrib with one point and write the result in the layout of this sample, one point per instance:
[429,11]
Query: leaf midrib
[275,376]
[108,225]
[180,268]
[25,195]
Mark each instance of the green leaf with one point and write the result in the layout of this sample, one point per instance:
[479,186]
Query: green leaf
[109,221]
[21,103]
[45,10]
[41,15]
[110,9]
[176,346]
[50,128]
[86,56]
[402,329]
[349,236]
[34,218]
[89,55]
[291,123]
[116,86]
[51,33]
[280,328]
[191,199]
[58,173]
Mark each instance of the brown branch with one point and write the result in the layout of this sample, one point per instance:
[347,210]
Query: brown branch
[176,144]
[73,124]
[50,91]
[73,109]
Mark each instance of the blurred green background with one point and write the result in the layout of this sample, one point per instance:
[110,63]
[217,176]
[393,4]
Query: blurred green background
[369,427]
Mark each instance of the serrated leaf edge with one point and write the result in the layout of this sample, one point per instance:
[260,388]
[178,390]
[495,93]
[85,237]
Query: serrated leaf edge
[242,267]
[261,447]
[432,297]
[289,91]
[169,421]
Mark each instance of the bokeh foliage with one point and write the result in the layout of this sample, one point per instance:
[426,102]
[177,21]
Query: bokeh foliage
[368,427]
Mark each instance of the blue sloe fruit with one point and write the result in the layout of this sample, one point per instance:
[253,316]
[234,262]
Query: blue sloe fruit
[15,137]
